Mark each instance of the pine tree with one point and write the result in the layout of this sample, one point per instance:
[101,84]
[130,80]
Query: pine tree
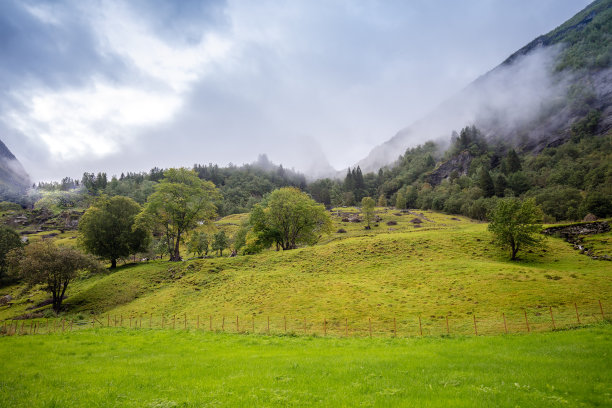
[485,182]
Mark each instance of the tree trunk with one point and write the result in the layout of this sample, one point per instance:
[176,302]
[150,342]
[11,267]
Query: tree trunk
[176,255]
[113,263]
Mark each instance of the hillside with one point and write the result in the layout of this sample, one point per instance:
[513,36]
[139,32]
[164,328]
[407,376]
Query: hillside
[532,98]
[14,180]
[426,264]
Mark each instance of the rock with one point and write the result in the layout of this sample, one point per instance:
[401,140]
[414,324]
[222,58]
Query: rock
[416,221]
[4,300]
[590,218]
[341,231]
[391,222]
[460,164]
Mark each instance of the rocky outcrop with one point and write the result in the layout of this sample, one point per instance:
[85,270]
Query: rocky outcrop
[583,228]
[460,163]
[574,235]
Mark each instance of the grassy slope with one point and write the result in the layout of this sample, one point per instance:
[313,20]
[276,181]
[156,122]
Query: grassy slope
[106,368]
[446,267]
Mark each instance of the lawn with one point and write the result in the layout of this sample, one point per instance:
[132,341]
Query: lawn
[164,368]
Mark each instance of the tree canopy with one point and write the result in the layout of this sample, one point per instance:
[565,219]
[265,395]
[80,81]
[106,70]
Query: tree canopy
[46,263]
[515,224]
[108,229]
[289,217]
[367,207]
[9,240]
[180,202]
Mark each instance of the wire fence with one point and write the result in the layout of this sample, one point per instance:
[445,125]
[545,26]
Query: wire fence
[524,320]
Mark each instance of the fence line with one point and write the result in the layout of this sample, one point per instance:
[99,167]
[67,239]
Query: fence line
[534,319]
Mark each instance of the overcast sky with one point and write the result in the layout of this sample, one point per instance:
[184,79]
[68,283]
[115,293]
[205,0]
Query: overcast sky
[128,85]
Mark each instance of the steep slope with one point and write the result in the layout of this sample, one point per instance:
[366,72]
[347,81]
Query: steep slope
[531,99]
[14,180]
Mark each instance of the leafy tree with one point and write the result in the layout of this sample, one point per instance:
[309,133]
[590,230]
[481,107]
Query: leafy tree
[382,201]
[180,201]
[515,224]
[289,217]
[400,200]
[198,243]
[46,263]
[367,207]
[108,229]
[598,203]
[9,240]
[220,242]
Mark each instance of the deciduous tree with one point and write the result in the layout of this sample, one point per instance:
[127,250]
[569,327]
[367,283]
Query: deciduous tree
[289,217]
[367,207]
[180,202]
[46,263]
[516,224]
[108,229]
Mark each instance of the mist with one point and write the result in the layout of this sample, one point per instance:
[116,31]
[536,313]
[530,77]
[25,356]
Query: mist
[503,104]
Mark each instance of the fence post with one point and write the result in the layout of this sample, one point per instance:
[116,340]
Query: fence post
[163,321]
[173,322]
[577,315]
[253,323]
[140,324]
[92,322]
[198,323]
[210,322]
[394,328]
[304,325]
[185,321]
[447,328]
[324,327]
[420,327]
[151,320]
[346,327]
[121,323]
[223,324]
[107,320]
[71,324]
[268,324]
[475,329]
[551,317]
[285,318]
[63,325]
[370,322]
[505,325]
[601,309]
[526,321]
[237,326]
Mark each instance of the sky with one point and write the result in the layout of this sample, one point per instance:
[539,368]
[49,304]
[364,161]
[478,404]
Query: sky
[118,86]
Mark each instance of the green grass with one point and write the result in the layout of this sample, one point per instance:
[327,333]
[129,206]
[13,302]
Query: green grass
[162,368]
[446,267]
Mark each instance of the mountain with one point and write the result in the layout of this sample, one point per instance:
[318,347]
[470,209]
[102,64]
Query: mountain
[533,98]
[14,180]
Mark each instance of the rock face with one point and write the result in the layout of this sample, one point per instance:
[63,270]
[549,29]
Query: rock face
[459,163]
[14,180]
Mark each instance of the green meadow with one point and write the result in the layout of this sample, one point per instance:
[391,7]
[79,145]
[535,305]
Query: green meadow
[360,319]
[406,278]
[163,368]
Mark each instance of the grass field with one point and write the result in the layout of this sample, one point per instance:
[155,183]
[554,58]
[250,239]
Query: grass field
[446,266]
[162,368]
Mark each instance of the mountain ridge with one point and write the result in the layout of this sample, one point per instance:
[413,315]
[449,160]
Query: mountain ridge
[558,78]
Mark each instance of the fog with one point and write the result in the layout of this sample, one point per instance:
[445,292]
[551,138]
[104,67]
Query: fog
[501,103]
[120,86]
